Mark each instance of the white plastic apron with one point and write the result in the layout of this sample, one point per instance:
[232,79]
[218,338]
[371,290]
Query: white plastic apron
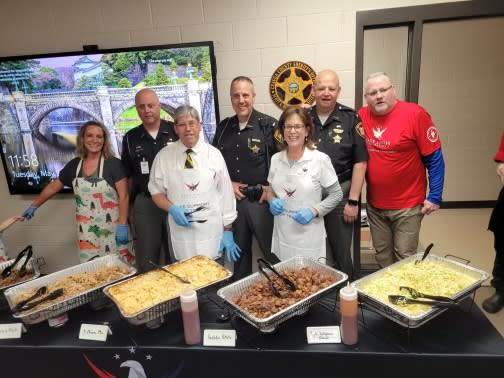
[97,212]
[191,188]
[296,189]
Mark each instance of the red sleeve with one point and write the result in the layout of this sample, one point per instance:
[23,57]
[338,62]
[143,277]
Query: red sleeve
[426,133]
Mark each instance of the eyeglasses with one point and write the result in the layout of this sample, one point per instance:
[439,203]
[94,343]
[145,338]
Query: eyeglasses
[375,92]
[189,125]
[294,127]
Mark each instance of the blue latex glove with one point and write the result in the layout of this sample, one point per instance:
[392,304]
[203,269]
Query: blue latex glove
[178,214]
[228,244]
[29,213]
[303,215]
[276,206]
[121,233]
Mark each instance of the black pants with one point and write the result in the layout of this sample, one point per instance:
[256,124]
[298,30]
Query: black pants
[498,268]
[254,219]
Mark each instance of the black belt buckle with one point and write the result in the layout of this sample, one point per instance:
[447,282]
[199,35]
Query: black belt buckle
[252,192]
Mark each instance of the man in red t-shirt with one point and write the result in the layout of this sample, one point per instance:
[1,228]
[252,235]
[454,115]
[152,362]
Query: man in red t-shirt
[403,143]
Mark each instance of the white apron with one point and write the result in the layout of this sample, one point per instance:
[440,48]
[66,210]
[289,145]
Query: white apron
[296,189]
[191,188]
[97,212]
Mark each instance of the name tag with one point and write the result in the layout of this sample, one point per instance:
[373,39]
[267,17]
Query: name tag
[11,331]
[95,332]
[219,337]
[144,167]
[323,335]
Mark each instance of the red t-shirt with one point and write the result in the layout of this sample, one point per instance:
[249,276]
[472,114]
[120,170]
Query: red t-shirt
[396,176]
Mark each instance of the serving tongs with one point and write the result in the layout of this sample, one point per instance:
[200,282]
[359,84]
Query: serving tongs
[183,280]
[29,305]
[186,213]
[28,252]
[272,286]
[401,300]
[265,264]
[427,251]
[40,291]
[416,294]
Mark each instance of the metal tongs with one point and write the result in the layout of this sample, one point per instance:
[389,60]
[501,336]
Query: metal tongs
[28,252]
[427,251]
[183,280]
[416,294]
[401,300]
[186,213]
[29,305]
[263,264]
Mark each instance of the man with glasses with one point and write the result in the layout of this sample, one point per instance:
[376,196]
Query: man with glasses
[403,144]
[140,146]
[338,133]
[246,143]
[190,181]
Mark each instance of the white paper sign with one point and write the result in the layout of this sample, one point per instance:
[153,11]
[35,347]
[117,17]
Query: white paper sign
[11,330]
[96,332]
[219,337]
[323,335]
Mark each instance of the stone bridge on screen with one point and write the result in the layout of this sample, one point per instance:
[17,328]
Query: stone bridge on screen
[107,104]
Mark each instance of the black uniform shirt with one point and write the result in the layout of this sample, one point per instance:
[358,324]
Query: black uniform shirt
[247,152]
[342,138]
[138,145]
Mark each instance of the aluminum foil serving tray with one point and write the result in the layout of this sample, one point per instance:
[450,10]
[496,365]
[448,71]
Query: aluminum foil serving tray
[155,313]
[414,321]
[33,266]
[66,304]
[269,324]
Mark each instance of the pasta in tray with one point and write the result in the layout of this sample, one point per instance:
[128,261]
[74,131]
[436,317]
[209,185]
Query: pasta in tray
[149,289]
[429,277]
[76,284]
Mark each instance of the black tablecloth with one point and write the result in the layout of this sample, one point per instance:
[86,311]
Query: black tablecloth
[459,343]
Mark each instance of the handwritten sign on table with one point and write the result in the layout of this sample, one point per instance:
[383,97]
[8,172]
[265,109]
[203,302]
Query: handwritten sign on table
[323,335]
[11,330]
[219,337]
[96,332]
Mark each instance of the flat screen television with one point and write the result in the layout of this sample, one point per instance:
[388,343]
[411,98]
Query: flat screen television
[45,98]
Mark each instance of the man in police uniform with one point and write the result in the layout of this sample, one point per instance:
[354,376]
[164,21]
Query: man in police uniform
[339,133]
[246,143]
[140,146]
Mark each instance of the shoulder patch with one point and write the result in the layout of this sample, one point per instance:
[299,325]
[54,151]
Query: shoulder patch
[360,129]
[277,135]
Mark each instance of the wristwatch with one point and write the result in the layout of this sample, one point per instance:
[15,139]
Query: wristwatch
[352,202]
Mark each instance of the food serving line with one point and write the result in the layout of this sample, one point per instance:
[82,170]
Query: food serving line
[459,341]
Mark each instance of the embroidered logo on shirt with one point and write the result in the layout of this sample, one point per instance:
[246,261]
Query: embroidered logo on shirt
[378,132]
[192,187]
[289,192]
[432,134]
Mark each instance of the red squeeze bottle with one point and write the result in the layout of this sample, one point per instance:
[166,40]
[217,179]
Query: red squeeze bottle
[190,317]
[349,314]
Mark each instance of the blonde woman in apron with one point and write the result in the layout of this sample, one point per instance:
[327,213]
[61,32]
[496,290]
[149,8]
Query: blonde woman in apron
[101,196]
[189,179]
[298,176]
